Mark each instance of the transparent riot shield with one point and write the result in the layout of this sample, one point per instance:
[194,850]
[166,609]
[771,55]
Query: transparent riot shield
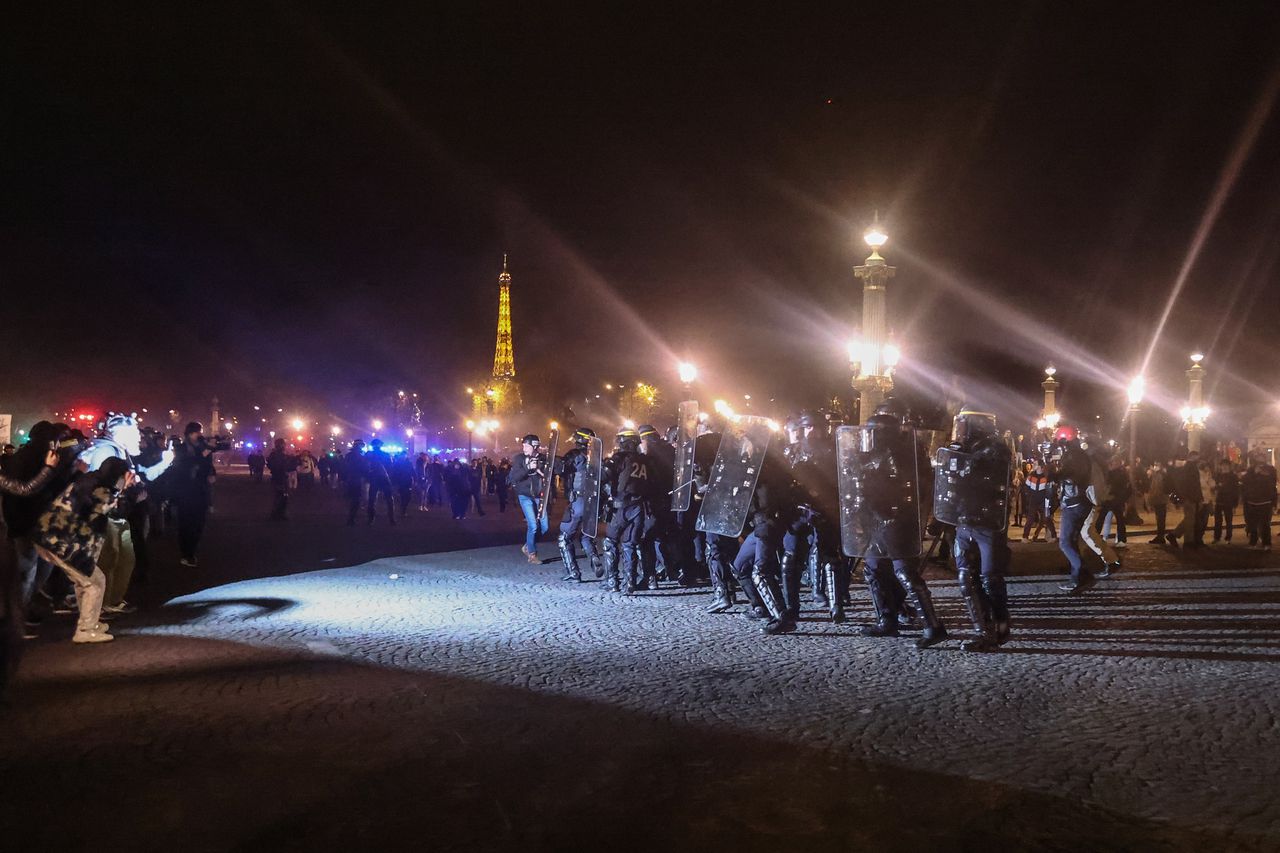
[591,482]
[879,473]
[732,482]
[687,434]
[972,490]
[548,482]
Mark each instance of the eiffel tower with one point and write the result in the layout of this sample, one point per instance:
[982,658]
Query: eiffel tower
[500,395]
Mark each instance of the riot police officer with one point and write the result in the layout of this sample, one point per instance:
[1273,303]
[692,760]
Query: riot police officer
[658,540]
[630,481]
[756,567]
[813,531]
[891,557]
[574,526]
[718,551]
[979,472]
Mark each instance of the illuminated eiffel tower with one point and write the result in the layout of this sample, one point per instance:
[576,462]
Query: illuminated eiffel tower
[504,356]
[500,395]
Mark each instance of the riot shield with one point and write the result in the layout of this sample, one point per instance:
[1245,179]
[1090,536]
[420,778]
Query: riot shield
[972,490]
[591,482]
[687,426]
[548,482]
[879,473]
[733,476]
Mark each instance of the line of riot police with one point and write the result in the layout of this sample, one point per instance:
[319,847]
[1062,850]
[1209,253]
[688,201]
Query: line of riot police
[768,510]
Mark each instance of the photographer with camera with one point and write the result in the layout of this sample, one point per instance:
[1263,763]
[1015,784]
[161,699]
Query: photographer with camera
[528,479]
[193,478]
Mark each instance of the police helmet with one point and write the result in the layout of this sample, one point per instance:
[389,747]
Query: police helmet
[582,436]
[970,425]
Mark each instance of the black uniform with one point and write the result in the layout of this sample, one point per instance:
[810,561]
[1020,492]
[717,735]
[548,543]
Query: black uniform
[658,542]
[756,565]
[814,533]
[574,525]
[630,483]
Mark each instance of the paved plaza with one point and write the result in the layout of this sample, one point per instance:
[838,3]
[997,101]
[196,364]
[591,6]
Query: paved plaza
[465,700]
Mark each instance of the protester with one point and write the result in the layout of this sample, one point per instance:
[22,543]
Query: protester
[354,470]
[528,481]
[378,473]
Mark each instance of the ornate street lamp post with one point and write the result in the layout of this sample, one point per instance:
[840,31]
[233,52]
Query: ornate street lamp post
[1195,413]
[872,356]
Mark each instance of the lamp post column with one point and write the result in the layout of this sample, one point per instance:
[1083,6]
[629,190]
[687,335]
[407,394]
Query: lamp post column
[1195,403]
[872,376]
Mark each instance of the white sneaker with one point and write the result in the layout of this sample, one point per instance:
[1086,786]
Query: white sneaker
[123,607]
[1120,546]
[94,636]
[191,564]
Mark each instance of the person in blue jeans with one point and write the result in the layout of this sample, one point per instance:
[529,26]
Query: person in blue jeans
[528,482]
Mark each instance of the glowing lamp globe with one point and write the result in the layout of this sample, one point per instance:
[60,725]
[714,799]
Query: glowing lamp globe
[875,237]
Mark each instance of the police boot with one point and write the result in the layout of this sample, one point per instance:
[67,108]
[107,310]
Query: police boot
[998,594]
[979,613]
[771,596]
[630,564]
[571,570]
[819,580]
[921,601]
[886,624]
[593,553]
[757,609]
[790,571]
[722,602]
[609,562]
[829,579]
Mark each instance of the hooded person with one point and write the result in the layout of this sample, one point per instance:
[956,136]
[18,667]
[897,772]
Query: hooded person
[71,533]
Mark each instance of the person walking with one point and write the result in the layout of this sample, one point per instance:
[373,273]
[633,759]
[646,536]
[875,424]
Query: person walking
[1186,485]
[378,473]
[1037,489]
[281,464]
[477,486]
[353,479]
[502,478]
[528,482]
[1157,498]
[1225,502]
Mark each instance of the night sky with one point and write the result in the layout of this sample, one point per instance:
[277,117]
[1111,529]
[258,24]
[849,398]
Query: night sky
[307,206]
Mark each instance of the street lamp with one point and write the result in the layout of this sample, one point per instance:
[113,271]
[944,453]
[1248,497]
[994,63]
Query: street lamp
[297,423]
[471,426]
[1195,413]
[1049,415]
[869,354]
[1137,388]
[377,424]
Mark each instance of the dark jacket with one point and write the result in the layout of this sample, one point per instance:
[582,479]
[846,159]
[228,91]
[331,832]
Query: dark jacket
[1259,486]
[1228,489]
[1186,482]
[527,476]
[190,472]
[281,463]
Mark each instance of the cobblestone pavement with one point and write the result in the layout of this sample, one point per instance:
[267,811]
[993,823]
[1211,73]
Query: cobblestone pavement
[466,700]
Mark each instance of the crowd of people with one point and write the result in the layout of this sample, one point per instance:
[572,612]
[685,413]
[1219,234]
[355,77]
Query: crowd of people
[768,513]
[78,512]
[1211,494]
[370,477]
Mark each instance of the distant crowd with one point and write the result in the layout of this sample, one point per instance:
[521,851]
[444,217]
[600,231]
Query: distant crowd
[370,477]
[1211,493]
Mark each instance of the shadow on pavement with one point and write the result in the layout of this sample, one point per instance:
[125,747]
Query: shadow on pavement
[293,752]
